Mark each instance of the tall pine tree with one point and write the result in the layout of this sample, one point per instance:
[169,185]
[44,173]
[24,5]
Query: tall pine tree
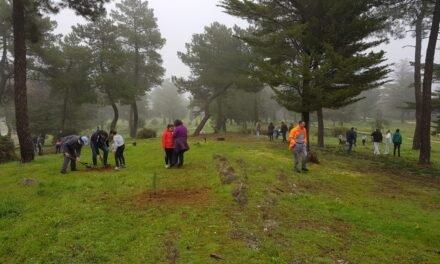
[142,40]
[314,52]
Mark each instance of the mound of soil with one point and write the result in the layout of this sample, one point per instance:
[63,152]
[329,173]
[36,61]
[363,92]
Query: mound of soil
[99,169]
[191,196]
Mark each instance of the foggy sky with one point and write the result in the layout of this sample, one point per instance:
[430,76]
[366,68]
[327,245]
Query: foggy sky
[179,19]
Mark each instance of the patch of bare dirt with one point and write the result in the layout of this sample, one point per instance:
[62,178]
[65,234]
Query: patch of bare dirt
[187,196]
[171,251]
[240,194]
[338,226]
[109,168]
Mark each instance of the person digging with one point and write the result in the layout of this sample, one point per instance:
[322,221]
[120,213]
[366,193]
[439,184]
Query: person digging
[71,148]
[99,141]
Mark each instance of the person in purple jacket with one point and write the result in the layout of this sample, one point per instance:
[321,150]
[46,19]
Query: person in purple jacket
[180,135]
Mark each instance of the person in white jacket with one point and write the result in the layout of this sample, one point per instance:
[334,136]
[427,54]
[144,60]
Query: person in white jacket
[118,149]
[388,141]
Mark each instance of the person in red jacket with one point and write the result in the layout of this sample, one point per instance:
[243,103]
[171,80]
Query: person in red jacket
[168,145]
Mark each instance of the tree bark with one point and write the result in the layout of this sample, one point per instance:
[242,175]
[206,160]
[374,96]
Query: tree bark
[202,123]
[115,116]
[256,116]
[64,117]
[134,120]
[418,77]
[425,147]
[21,107]
[220,126]
[306,118]
[3,65]
[115,110]
[206,108]
[320,116]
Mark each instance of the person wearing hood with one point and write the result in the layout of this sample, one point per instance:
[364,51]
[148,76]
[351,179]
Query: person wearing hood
[397,141]
[71,148]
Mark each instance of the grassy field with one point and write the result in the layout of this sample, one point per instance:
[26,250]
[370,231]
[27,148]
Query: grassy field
[236,201]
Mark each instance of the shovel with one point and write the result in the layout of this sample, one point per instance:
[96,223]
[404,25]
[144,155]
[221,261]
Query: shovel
[85,164]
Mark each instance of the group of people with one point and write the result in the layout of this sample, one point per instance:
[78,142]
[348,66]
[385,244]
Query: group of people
[274,132]
[377,138]
[71,147]
[298,141]
[175,144]
[395,139]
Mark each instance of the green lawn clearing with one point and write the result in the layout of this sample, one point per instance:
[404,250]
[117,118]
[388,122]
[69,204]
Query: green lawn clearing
[235,201]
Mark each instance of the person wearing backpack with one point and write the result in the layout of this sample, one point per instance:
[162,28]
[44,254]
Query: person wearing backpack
[397,141]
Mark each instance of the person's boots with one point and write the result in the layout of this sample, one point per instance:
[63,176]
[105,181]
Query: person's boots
[297,170]
[305,169]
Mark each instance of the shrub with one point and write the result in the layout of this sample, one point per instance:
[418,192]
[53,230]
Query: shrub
[154,122]
[7,149]
[146,133]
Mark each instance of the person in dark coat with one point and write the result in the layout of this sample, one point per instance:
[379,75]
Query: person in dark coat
[71,148]
[284,131]
[99,141]
[270,129]
[180,135]
[350,140]
[377,139]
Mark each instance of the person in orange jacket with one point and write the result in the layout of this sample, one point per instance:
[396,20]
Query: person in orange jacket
[298,143]
[168,145]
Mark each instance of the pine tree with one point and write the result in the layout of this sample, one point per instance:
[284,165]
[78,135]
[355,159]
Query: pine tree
[22,11]
[218,62]
[142,40]
[109,62]
[314,53]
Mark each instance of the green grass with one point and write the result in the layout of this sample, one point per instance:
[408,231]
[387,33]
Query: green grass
[348,208]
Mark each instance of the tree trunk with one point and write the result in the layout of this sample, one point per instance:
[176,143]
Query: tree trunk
[256,116]
[135,120]
[220,126]
[3,64]
[425,147]
[115,110]
[21,107]
[9,127]
[320,116]
[418,77]
[64,117]
[306,118]
[115,116]
[202,123]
